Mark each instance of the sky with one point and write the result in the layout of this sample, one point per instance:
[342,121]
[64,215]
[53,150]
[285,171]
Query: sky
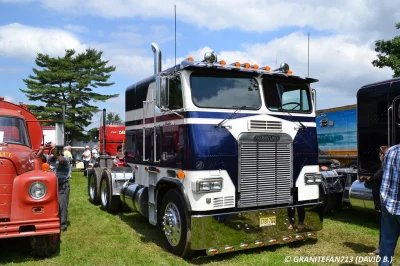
[265,32]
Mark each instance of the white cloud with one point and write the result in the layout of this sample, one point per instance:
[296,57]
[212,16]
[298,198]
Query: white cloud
[76,28]
[9,99]
[356,16]
[24,42]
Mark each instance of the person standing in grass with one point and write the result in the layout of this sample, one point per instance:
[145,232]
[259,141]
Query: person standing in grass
[376,187]
[87,156]
[390,197]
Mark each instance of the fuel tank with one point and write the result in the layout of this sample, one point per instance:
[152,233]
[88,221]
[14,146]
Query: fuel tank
[361,197]
[136,198]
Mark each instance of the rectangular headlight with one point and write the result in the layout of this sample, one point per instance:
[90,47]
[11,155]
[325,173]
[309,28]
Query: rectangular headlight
[216,185]
[204,186]
[309,178]
[318,177]
[212,185]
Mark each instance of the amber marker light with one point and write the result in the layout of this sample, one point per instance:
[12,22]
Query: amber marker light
[236,64]
[229,248]
[213,251]
[255,66]
[222,62]
[312,235]
[299,237]
[45,167]
[287,238]
[273,241]
[180,174]
[259,243]
[290,72]
[246,65]
[190,59]
[244,245]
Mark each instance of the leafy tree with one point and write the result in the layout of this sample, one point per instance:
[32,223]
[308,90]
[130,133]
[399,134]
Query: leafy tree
[70,80]
[389,54]
[113,119]
[93,134]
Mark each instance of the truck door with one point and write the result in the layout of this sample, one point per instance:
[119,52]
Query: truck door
[394,122]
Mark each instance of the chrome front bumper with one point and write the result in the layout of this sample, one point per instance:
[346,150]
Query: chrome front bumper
[241,230]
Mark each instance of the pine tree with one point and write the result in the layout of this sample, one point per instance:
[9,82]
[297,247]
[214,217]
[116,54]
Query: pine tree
[70,80]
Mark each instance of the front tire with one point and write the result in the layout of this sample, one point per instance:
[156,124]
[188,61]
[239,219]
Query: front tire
[175,224]
[45,246]
[109,202]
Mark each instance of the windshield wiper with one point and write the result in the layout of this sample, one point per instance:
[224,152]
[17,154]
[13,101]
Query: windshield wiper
[292,118]
[219,125]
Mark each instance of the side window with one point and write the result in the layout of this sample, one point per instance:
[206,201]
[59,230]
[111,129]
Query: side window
[175,94]
[141,94]
[303,100]
[130,99]
[131,146]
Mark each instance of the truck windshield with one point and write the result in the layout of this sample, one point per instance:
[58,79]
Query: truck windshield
[282,96]
[13,131]
[226,91]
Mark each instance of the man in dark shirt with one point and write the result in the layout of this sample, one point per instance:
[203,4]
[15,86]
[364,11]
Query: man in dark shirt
[60,165]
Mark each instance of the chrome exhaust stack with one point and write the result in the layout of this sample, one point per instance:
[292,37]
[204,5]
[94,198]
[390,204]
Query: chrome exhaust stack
[157,58]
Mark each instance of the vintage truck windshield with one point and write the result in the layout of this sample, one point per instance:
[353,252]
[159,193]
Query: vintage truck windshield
[283,96]
[216,91]
[13,131]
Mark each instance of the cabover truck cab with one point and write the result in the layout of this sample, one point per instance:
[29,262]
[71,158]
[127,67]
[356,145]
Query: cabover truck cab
[378,124]
[114,139]
[218,153]
[28,194]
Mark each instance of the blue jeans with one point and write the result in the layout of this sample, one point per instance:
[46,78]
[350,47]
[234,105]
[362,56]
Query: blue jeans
[390,230]
[85,166]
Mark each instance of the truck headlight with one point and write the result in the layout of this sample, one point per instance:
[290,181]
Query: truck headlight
[313,178]
[209,185]
[37,190]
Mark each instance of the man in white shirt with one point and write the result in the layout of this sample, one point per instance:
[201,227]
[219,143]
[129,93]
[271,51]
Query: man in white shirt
[95,154]
[87,156]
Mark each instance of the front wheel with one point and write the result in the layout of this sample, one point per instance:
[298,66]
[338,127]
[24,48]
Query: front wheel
[45,246]
[175,224]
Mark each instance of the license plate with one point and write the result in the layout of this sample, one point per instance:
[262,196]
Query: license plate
[267,221]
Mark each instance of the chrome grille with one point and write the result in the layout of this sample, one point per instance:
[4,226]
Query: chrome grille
[265,176]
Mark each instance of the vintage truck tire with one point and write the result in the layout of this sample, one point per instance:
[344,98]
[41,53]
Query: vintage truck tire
[94,179]
[45,246]
[109,202]
[175,224]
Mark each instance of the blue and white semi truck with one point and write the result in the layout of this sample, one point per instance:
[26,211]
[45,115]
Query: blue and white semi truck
[217,154]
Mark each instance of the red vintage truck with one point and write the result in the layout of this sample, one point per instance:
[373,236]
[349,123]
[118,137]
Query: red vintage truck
[28,190]
[115,139]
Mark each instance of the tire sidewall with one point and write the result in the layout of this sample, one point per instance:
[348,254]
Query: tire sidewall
[184,243]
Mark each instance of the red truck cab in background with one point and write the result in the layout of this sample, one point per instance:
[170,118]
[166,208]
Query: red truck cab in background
[115,139]
[28,191]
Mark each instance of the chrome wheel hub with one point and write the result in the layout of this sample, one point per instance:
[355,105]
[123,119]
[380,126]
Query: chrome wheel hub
[103,193]
[91,188]
[172,226]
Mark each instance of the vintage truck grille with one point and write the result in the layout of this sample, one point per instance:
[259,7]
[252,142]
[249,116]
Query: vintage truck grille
[265,173]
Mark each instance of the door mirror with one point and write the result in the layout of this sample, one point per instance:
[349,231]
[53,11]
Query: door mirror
[162,92]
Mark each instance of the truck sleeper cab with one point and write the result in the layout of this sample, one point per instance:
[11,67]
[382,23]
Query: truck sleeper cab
[28,195]
[219,153]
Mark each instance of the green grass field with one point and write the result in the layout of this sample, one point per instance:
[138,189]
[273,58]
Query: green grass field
[95,237]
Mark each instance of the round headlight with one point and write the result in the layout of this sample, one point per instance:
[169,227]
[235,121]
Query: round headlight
[37,190]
